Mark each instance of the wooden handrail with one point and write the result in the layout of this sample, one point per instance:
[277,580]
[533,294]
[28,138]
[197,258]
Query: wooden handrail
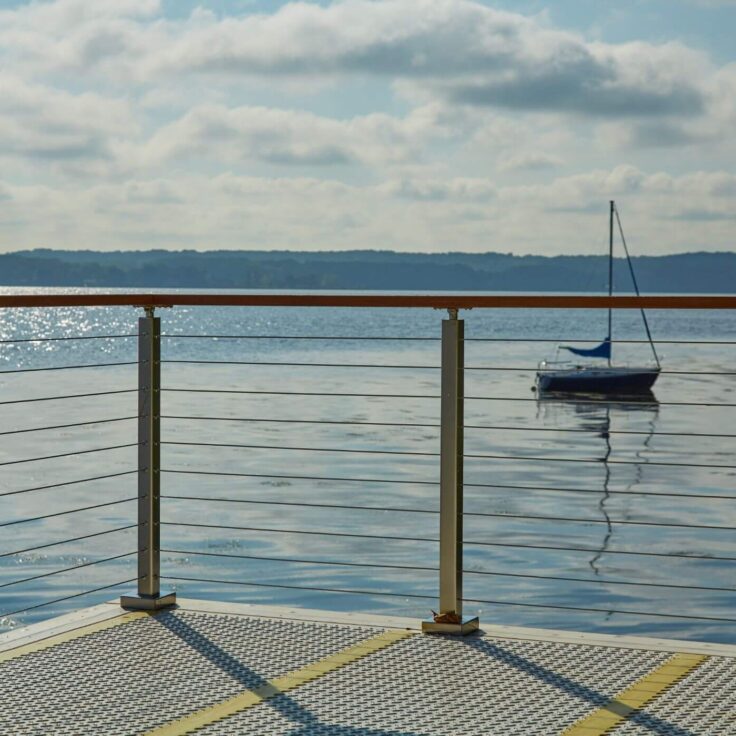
[426,301]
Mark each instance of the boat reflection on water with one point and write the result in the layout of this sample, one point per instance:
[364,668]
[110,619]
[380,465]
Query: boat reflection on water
[594,415]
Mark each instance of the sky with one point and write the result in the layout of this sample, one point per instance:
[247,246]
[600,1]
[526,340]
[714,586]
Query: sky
[409,125]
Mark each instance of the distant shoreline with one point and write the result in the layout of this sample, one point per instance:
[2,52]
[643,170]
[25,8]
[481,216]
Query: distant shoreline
[369,270]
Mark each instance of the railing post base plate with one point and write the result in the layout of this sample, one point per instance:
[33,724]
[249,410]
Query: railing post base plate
[148,602]
[465,627]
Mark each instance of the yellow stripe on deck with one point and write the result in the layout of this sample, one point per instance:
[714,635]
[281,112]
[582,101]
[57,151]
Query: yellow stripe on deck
[52,641]
[290,681]
[637,696]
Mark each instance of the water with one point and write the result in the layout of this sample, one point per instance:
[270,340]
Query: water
[624,444]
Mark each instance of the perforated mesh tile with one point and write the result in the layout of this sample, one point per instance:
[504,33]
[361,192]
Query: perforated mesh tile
[153,670]
[703,703]
[441,686]
[133,677]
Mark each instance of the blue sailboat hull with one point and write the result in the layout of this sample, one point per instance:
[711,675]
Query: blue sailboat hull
[591,380]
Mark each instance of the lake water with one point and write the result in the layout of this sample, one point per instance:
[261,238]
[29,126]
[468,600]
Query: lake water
[629,451]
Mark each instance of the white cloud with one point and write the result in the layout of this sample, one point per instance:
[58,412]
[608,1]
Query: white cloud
[47,125]
[461,50]
[77,35]
[661,213]
[529,161]
[703,202]
[356,123]
[291,137]
[437,190]
[59,16]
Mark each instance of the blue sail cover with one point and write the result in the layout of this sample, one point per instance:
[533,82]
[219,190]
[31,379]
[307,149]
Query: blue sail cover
[599,351]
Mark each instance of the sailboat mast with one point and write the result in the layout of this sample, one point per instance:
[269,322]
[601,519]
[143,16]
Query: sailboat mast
[610,274]
[636,290]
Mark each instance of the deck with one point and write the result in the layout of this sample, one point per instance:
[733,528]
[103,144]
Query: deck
[218,668]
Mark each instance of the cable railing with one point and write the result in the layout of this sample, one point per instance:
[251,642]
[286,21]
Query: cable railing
[384,366]
[66,504]
[374,476]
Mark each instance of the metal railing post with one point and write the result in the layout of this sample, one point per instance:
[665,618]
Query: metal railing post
[450,619]
[149,469]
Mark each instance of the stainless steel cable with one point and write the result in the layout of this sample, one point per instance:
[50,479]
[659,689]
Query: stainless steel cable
[388,338]
[597,340]
[597,461]
[474,543]
[303,477]
[553,578]
[336,479]
[67,598]
[330,338]
[68,483]
[703,496]
[529,517]
[70,396]
[68,367]
[596,401]
[68,541]
[577,520]
[526,458]
[298,393]
[292,364]
[295,587]
[67,569]
[503,428]
[527,369]
[301,504]
[306,421]
[299,531]
[599,581]
[435,397]
[518,545]
[599,610]
[433,597]
[300,561]
[70,511]
[67,426]
[301,449]
[514,369]
[69,454]
[66,339]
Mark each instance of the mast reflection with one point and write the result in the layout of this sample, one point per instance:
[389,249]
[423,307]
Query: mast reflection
[595,416]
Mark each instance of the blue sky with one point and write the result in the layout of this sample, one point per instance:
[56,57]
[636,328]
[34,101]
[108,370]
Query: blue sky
[414,125]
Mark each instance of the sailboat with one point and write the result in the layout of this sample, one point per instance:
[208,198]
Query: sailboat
[593,378]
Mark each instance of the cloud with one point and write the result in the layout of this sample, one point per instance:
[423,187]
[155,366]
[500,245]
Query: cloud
[461,50]
[711,129]
[529,161]
[353,123]
[456,189]
[63,15]
[661,213]
[699,215]
[660,134]
[78,36]
[155,192]
[291,137]
[45,124]
[647,198]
